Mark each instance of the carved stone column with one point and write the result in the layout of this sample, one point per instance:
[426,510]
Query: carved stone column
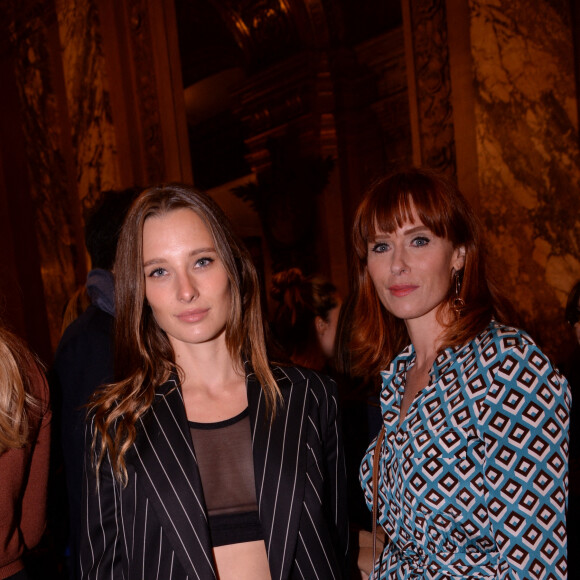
[279,108]
[431,112]
[38,173]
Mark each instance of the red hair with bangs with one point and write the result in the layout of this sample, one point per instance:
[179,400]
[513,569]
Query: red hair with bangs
[378,336]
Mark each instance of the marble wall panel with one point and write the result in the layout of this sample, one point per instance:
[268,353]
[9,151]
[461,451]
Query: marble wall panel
[46,163]
[69,132]
[88,96]
[528,155]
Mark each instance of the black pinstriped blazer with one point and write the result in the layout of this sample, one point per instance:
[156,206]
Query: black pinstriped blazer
[156,527]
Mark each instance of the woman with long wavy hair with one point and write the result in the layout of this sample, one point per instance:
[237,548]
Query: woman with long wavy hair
[471,462]
[204,459]
[24,454]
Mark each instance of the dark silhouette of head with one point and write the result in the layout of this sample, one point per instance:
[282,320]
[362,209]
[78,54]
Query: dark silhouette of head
[103,224]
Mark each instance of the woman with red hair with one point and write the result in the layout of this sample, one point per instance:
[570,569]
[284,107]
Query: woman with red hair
[471,465]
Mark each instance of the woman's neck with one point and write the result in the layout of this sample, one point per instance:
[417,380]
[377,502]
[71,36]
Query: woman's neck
[207,366]
[213,384]
[425,334]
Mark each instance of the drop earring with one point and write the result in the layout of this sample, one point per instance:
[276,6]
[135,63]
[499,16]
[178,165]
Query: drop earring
[458,303]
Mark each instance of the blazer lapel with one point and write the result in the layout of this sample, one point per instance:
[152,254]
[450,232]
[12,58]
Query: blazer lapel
[166,465]
[279,451]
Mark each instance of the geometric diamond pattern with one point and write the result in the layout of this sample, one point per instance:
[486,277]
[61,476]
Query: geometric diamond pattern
[474,481]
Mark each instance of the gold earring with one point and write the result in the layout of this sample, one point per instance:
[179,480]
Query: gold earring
[458,303]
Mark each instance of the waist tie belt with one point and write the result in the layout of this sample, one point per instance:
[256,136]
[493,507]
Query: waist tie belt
[419,564]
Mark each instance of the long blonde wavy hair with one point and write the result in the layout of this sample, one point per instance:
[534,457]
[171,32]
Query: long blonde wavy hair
[16,402]
[144,358]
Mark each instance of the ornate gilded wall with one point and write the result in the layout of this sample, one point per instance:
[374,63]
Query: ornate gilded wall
[102,111]
[32,33]
[86,72]
[60,73]
[88,99]
[528,154]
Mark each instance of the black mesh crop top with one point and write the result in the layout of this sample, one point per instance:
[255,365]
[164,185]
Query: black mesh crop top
[226,467]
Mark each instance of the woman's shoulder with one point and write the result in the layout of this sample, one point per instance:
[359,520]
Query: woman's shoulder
[499,340]
[510,335]
[509,371]
[513,348]
[287,375]
[297,373]
[499,344]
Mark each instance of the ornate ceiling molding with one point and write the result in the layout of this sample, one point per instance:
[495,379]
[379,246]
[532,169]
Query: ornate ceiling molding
[265,30]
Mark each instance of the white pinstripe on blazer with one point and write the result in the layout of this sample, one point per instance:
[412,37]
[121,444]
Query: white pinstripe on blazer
[156,527]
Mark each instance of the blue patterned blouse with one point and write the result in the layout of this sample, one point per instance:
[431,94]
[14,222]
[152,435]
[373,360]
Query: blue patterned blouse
[474,482]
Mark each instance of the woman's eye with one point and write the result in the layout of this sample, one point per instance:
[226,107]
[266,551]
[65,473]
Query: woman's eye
[156,273]
[420,241]
[203,262]
[380,247]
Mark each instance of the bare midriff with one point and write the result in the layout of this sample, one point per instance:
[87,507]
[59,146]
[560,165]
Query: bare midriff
[242,561]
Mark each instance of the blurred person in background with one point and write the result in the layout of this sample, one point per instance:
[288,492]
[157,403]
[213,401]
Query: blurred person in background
[24,455]
[305,318]
[361,422]
[84,356]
